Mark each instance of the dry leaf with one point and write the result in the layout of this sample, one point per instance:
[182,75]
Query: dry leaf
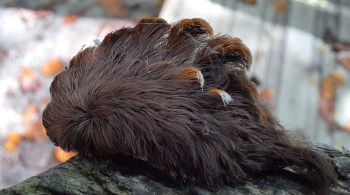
[281,6]
[250,2]
[159,3]
[36,131]
[28,80]
[337,78]
[113,8]
[62,156]
[12,142]
[31,114]
[330,85]
[267,94]
[53,67]
[29,15]
[70,19]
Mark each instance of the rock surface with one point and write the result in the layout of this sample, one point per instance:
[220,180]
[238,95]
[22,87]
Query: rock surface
[97,176]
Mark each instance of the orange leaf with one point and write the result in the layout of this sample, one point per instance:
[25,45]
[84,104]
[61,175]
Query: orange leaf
[70,19]
[36,131]
[53,67]
[114,8]
[31,114]
[267,94]
[250,2]
[62,156]
[281,6]
[28,80]
[12,142]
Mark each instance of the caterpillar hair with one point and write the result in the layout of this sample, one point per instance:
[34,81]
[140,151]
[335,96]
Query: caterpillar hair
[177,97]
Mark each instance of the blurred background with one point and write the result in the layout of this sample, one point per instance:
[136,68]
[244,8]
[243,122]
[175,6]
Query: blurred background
[301,63]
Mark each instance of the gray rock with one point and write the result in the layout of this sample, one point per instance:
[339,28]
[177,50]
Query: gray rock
[100,176]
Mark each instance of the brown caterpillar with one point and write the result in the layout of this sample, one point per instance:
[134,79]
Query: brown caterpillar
[178,98]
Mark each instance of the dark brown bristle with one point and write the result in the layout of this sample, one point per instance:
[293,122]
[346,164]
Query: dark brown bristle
[113,36]
[215,92]
[187,30]
[196,26]
[133,95]
[223,95]
[226,45]
[193,74]
[153,21]
[189,73]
